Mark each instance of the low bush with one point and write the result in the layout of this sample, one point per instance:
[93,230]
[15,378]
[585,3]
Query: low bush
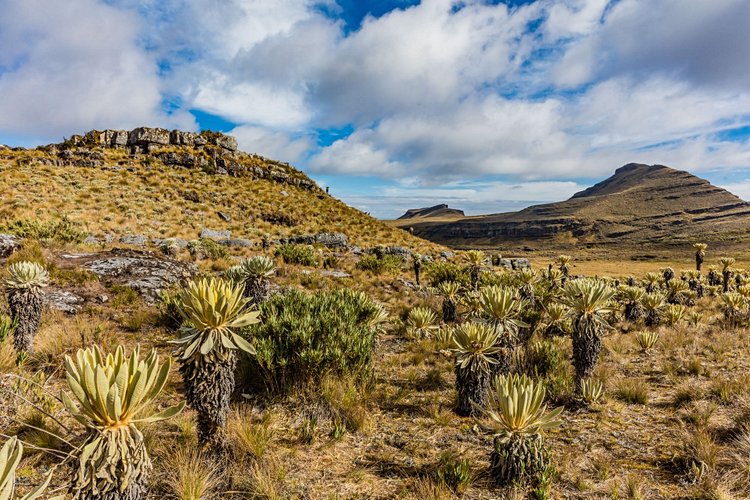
[387,264]
[62,231]
[438,272]
[303,255]
[303,338]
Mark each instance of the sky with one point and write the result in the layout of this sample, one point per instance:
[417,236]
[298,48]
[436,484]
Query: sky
[486,105]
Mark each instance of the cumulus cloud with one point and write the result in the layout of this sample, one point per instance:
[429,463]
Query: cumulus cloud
[67,67]
[272,144]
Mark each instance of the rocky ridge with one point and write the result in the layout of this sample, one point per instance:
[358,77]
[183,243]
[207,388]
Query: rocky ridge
[212,152]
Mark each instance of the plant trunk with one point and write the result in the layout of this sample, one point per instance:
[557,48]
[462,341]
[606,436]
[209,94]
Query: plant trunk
[587,344]
[26,309]
[209,385]
[518,459]
[726,275]
[257,289]
[449,311]
[472,387]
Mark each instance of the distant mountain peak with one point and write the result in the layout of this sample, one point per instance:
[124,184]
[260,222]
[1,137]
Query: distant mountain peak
[639,204]
[441,210]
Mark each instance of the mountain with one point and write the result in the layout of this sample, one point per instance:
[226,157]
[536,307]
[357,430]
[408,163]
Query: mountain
[441,210]
[149,184]
[651,205]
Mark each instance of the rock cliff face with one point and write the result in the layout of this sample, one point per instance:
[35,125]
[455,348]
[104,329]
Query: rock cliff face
[638,205]
[441,210]
[209,151]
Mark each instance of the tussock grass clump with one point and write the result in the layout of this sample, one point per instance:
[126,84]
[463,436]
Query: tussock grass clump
[378,266]
[61,230]
[632,391]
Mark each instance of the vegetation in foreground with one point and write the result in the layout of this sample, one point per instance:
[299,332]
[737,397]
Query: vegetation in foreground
[481,383]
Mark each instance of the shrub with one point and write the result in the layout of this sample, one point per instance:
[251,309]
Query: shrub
[63,230]
[304,337]
[303,255]
[205,248]
[389,263]
[439,272]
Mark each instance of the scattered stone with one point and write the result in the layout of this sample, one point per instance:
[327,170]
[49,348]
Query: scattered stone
[284,193]
[9,244]
[109,237]
[236,242]
[138,240]
[403,252]
[515,263]
[64,301]
[91,240]
[178,242]
[447,255]
[215,235]
[225,217]
[103,299]
[145,272]
[75,256]
[330,240]
[328,273]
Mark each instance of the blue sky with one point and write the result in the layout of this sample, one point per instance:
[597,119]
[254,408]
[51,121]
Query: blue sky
[486,105]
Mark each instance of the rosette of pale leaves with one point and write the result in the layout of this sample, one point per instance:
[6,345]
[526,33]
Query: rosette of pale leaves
[213,309]
[421,322]
[27,276]
[475,346]
[10,457]
[113,393]
[589,301]
[517,407]
[259,266]
[500,307]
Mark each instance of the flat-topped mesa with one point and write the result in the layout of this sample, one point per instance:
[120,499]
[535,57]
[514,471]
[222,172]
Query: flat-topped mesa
[147,139]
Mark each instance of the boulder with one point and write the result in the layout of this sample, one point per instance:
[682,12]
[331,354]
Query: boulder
[215,235]
[227,142]
[236,243]
[64,301]
[330,240]
[144,136]
[180,138]
[9,244]
[145,272]
[91,240]
[328,273]
[225,217]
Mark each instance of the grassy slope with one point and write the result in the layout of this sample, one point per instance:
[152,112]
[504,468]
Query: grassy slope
[140,195]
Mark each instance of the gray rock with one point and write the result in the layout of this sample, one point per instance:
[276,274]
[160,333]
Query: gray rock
[215,235]
[64,301]
[138,240]
[284,193]
[236,243]
[91,240]
[330,240]
[144,136]
[119,138]
[142,271]
[403,252]
[328,273]
[180,138]
[515,263]
[356,250]
[447,255]
[9,244]
[178,242]
[109,237]
[225,217]
[227,142]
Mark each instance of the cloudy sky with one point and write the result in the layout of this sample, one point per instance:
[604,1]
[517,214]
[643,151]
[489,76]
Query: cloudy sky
[486,105]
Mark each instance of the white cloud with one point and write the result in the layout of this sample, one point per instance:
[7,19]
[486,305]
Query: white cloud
[271,144]
[67,67]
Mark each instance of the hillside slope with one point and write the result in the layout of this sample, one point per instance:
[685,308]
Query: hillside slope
[158,184]
[650,205]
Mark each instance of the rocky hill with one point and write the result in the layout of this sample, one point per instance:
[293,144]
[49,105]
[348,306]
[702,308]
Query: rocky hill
[643,205]
[441,210]
[141,186]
